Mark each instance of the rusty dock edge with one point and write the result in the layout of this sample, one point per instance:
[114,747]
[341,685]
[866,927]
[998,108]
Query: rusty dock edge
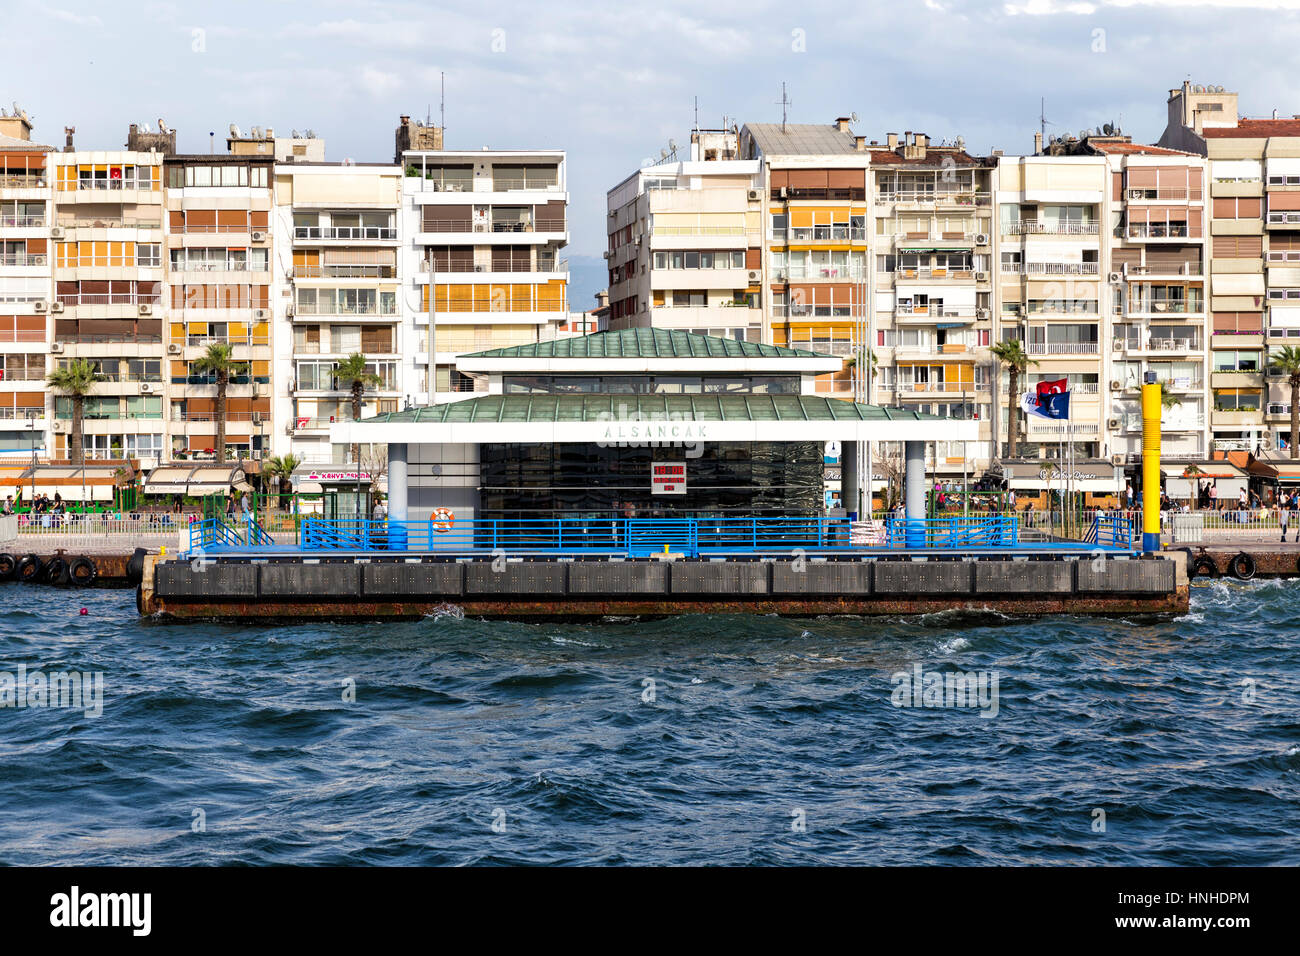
[234,588]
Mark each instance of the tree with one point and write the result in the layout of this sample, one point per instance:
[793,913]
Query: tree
[1012,354]
[280,469]
[352,374]
[1286,360]
[216,361]
[75,379]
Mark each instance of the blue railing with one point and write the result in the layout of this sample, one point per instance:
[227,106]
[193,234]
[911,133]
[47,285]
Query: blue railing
[218,533]
[984,531]
[643,536]
[1111,530]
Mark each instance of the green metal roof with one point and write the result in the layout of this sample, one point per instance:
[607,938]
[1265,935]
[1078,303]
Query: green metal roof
[646,343]
[598,407]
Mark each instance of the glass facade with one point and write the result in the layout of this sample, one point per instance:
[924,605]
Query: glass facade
[653,384]
[742,479]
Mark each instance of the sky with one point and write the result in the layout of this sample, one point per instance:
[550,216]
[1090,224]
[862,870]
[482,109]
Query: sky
[613,83]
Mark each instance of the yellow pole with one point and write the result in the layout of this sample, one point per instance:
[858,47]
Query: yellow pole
[1151,463]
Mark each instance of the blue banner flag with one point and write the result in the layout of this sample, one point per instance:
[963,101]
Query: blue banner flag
[1055,405]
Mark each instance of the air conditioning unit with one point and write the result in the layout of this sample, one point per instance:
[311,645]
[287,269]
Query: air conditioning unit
[288,428]
[755,275]
[608,253]
[56,306]
[1117,459]
[257,418]
[981,277]
[981,239]
[259,314]
[784,193]
[779,275]
[41,307]
[637,241]
[57,232]
[1116,277]
[58,426]
[173,349]
[754,195]
[1112,423]
[259,236]
[145,388]
[145,308]
[56,347]
[981,313]
[480,268]
[1116,386]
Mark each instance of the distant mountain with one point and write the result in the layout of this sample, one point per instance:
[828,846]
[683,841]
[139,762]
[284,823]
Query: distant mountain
[587,276]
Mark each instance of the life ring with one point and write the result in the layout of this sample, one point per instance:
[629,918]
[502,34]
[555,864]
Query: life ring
[7,565]
[82,571]
[29,568]
[443,520]
[1242,566]
[1204,567]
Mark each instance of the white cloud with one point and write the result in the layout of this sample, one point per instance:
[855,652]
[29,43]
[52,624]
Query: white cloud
[378,83]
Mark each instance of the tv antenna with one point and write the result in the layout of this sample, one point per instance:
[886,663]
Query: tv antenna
[1043,121]
[784,104]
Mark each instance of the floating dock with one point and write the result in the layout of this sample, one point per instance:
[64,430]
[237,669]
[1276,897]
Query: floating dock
[294,586]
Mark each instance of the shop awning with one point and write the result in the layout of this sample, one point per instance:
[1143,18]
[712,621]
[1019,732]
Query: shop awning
[92,483]
[196,481]
[167,480]
[1098,476]
[629,419]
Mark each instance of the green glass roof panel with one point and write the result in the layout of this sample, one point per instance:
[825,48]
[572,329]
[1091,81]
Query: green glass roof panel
[646,343]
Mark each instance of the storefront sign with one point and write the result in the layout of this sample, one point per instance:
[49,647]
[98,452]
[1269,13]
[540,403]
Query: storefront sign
[668,478]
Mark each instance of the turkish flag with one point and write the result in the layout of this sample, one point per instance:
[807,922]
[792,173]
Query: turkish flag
[1053,388]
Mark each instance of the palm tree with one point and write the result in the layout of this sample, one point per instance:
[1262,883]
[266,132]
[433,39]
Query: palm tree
[280,468]
[1286,360]
[352,371]
[75,379]
[216,360]
[1012,354]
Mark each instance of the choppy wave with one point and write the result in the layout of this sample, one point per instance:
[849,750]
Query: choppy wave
[711,739]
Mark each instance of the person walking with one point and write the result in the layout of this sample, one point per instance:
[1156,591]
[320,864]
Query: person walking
[1214,497]
[1283,513]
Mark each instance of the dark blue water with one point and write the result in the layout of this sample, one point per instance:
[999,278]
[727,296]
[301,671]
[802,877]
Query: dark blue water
[757,725]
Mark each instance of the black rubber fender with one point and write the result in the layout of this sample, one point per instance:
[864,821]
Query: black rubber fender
[1204,567]
[135,566]
[56,570]
[29,569]
[82,571]
[8,565]
[1242,566]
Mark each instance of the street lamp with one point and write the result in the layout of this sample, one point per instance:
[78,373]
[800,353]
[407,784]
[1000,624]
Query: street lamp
[31,428]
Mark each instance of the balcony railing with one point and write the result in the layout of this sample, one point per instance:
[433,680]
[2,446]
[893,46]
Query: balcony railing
[345,310]
[24,259]
[1056,268]
[23,181]
[1164,306]
[108,222]
[109,298]
[1157,230]
[214,228]
[936,311]
[339,271]
[220,267]
[22,221]
[346,232]
[1158,345]
[22,335]
[211,380]
[1283,218]
[968,196]
[22,412]
[934,273]
[1164,194]
[129,182]
[501,185]
[1063,348]
[833,233]
[206,340]
[466,225]
[22,375]
[821,272]
[1029,227]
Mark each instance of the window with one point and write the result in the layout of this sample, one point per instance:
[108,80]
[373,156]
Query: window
[148,255]
[1238,361]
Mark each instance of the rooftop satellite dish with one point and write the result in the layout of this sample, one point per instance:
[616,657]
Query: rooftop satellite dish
[1083,134]
[663,154]
[853,117]
[234,131]
[672,144]
[293,134]
[311,134]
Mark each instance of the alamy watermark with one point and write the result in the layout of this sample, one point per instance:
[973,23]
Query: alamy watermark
[82,690]
[948,689]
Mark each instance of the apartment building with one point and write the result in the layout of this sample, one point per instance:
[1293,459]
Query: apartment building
[109,307]
[484,230]
[335,291]
[26,286]
[685,243]
[219,255]
[1254,258]
[931,307]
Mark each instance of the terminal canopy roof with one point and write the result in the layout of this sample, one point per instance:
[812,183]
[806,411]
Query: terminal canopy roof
[195,480]
[638,418]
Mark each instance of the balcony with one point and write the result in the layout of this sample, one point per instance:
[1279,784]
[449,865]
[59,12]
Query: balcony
[108,222]
[1235,379]
[337,271]
[351,233]
[24,181]
[109,298]
[1164,307]
[968,196]
[1226,417]
[1029,227]
[22,375]
[832,233]
[934,312]
[24,259]
[1062,348]
[1155,230]
[21,222]
[1179,194]
[203,341]
[1158,345]
[927,274]
[800,273]
[1051,268]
